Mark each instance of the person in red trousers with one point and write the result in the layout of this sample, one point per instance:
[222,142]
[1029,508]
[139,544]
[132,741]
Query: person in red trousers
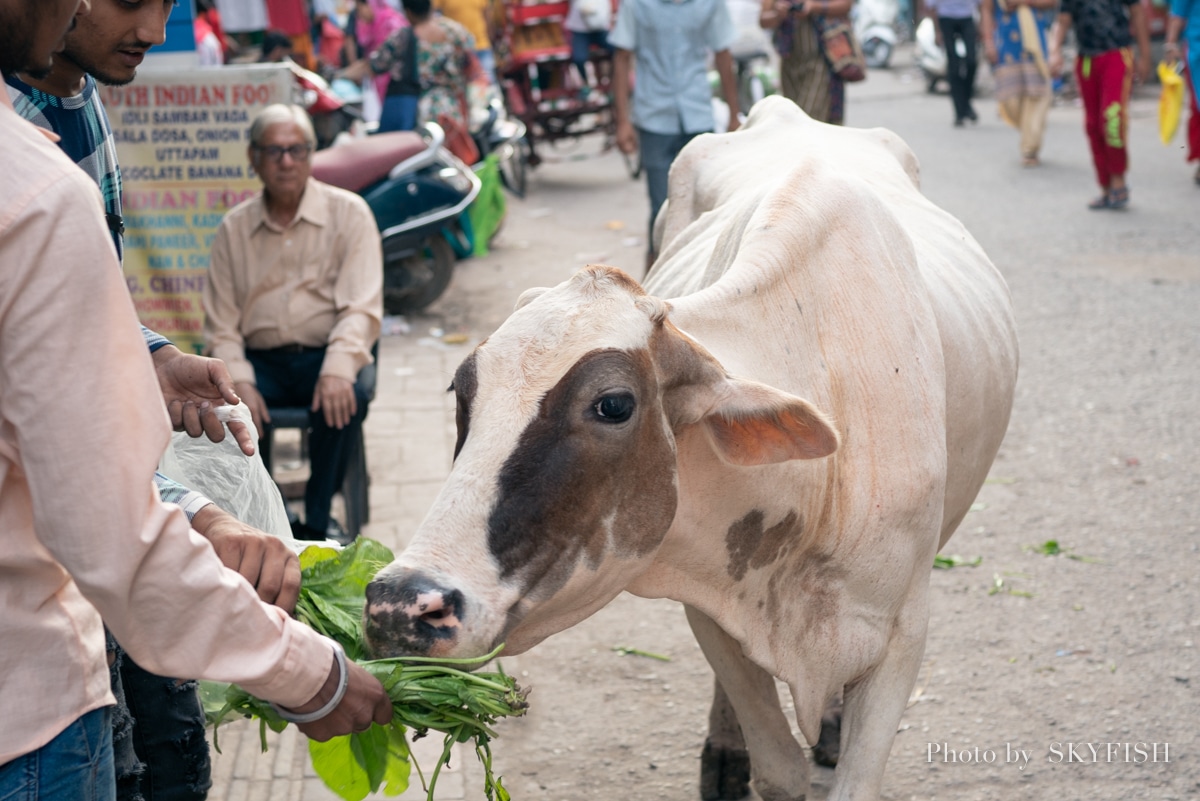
[1105,70]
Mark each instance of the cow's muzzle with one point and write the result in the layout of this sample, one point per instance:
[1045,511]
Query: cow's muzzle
[410,614]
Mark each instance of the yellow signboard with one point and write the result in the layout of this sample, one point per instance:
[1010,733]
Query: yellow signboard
[181,141]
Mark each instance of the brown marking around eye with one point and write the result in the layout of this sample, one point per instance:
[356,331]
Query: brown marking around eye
[570,473]
[464,386]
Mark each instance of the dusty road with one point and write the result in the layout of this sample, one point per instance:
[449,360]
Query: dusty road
[1028,652]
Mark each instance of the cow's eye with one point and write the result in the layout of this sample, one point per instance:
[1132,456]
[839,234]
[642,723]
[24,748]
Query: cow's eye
[614,408]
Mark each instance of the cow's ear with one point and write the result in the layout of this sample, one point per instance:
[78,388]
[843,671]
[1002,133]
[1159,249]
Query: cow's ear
[530,295]
[754,424]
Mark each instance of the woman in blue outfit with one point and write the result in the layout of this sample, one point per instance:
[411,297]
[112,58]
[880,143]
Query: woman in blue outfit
[1184,25]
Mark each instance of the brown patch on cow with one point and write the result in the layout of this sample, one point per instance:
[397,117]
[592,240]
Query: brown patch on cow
[750,546]
[464,387]
[818,578]
[574,474]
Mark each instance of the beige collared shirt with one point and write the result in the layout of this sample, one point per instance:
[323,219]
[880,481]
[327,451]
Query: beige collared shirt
[82,532]
[317,282]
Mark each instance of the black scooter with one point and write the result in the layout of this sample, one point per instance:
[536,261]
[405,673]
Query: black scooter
[507,138]
[417,190]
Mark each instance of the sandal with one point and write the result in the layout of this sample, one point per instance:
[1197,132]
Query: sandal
[1118,198]
[1101,202]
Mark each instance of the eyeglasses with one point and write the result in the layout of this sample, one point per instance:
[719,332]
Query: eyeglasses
[275,153]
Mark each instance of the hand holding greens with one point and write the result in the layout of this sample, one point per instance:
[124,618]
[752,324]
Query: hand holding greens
[427,694]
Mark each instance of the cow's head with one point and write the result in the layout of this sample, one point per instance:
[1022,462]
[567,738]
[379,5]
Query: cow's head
[565,480]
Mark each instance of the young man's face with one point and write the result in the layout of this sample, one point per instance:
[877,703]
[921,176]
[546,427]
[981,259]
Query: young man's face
[111,42]
[31,32]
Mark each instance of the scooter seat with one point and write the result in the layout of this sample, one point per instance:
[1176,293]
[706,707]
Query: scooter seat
[357,164]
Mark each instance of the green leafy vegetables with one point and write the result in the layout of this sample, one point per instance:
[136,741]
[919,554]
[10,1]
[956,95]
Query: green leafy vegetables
[440,695]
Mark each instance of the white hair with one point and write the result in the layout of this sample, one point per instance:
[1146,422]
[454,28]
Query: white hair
[278,113]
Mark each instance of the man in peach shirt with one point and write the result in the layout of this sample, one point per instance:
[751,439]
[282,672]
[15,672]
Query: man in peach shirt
[294,301]
[82,534]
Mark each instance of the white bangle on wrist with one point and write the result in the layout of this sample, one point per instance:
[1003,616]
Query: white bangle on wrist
[339,656]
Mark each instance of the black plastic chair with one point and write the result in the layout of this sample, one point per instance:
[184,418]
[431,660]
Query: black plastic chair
[356,486]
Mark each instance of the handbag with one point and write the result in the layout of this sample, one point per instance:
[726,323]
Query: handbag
[841,49]
[458,139]
[1170,100]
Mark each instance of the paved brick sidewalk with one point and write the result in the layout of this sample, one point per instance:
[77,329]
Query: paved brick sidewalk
[410,440]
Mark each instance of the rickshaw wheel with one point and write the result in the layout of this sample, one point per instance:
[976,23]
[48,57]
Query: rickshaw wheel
[514,167]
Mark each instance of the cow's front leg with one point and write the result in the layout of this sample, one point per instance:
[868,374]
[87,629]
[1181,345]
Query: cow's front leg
[829,744]
[724,763]
[777,763]
[874,705]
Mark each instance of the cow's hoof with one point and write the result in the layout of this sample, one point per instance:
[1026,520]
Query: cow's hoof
[828,747]
[724,773]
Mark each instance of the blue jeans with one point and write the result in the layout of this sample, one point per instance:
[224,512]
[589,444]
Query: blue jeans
[77,765]
[487,61]
[658,153]
[399,113]
[290,379]
[581,48]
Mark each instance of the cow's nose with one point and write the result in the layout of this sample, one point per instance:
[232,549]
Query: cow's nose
[408,613]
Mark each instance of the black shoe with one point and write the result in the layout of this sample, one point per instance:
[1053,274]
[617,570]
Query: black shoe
[302,531]
[958,122]
[338,534]
[972,116]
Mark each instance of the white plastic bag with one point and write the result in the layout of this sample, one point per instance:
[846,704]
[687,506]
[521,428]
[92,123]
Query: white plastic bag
[237,483]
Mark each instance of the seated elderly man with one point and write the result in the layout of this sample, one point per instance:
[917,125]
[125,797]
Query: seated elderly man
[294,300]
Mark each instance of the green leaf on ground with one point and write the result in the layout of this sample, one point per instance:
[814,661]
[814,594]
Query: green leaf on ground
[1001,587]
[1055,548]
[944,562]
[625,650]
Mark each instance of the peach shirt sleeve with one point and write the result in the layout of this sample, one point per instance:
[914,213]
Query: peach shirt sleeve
[358,294]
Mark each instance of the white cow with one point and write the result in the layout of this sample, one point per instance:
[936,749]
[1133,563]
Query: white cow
[782,446]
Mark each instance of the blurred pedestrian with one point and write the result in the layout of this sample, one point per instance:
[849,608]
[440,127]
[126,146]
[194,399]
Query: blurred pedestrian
[1104,72]
[669,43]
[473,15]
[1185,22]
[588,22]
[956,23]
[805,77]
[328,35]
[292,18]
[374,22]
[208,20]
[1014,36]
[276,48]
[208,46]
[244,20]
[443,55]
